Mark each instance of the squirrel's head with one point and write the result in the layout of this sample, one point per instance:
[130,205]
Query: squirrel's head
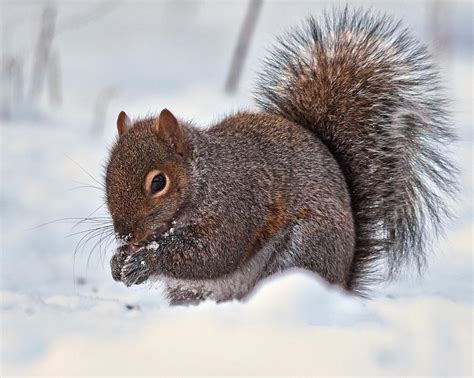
[147,176]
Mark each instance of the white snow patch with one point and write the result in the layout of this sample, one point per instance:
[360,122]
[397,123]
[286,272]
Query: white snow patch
[153,246]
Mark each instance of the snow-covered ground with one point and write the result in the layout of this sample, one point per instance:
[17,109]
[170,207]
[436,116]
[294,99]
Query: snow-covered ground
[62,314]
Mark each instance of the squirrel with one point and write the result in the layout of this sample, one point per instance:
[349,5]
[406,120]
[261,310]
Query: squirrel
[342,170]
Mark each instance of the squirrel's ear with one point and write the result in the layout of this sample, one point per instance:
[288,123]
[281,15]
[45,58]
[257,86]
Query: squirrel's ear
[123,123]
[168,128]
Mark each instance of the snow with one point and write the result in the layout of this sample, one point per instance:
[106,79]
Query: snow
[60,311]
[153,246]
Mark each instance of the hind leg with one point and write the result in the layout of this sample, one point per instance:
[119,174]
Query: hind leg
[325,248]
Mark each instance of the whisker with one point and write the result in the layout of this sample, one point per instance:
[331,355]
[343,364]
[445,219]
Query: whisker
[83,187]
[111,240]
[73,220]
[92,234]
[86,172]
[85,183]
[97,244]
[86,238]
[76,249]
[105,227]
[108,220]
[108,238]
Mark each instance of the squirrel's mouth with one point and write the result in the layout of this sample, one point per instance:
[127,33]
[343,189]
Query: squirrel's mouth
[151,237]
[128,248]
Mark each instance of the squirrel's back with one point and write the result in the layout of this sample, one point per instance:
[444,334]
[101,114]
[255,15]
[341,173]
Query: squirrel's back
[370,93]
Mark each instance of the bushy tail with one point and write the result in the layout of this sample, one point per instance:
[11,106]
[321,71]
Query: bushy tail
[370,93]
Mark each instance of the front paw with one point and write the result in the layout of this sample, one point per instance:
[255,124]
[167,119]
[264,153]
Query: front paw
[137,268]
[116,263]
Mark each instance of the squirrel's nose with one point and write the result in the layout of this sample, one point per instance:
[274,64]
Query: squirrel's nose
[122,228]
[139,241]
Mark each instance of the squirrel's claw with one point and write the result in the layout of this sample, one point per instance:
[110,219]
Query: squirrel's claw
[135,270]
[116,263]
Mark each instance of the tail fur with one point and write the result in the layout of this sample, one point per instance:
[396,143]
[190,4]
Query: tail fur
[370,93]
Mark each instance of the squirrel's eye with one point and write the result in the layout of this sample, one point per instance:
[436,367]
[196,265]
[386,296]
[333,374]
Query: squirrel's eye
[158,183]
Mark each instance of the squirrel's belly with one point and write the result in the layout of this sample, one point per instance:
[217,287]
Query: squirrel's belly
[235,285]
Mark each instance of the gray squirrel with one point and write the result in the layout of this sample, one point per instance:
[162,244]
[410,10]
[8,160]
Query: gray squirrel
[341,170]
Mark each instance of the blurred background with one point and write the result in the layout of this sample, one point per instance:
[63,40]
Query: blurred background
[69,67]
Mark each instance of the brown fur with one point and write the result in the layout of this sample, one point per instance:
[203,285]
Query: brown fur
[276,218]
